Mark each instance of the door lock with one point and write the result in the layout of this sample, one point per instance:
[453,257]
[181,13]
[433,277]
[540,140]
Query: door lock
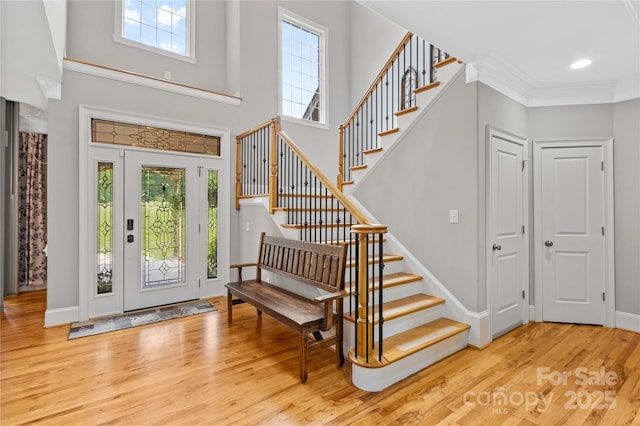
[496,247]
[129,238]
[548,243]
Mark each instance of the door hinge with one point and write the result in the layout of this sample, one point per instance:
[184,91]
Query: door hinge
[523,294]
[603,297]
[523,229]
[523,163]
[198,283]
[602,165]
[603,231]
[199,171]
[199,228]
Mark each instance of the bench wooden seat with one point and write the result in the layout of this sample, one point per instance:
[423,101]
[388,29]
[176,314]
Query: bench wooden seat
[318,265]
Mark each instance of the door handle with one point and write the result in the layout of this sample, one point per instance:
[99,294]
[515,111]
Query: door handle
[496,247]
[548,243]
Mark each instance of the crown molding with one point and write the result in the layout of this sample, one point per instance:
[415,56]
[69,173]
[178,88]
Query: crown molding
[101,71]
[501,76]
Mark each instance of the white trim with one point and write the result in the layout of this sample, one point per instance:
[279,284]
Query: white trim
[609,254]
[190,42]
[490,132]
[210,287]
[151,82]
[627,321]
[61,316]
[323,32]
[501,76]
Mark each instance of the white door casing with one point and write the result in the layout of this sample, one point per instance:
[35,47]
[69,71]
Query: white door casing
[507,238]
[574,231]
[90,304]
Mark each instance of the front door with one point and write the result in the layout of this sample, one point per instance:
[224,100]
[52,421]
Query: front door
[572,244]
[508,266]
[161,219]
[156,229]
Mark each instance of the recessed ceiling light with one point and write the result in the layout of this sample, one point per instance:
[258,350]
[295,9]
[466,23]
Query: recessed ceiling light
[581,64]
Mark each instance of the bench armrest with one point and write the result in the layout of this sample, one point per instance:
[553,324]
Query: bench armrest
[330,296]
[239,267]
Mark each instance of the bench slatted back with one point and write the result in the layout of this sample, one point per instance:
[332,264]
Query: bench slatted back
[320,265]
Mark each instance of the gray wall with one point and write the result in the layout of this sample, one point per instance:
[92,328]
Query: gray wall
[626,153]
[90,38]
[91,25]
[431,170]
[373,39]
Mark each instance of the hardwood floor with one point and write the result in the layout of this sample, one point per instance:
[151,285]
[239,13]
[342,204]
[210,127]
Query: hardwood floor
[200,370]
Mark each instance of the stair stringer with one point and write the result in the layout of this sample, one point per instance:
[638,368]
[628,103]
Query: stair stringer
[446,75]
[479,334]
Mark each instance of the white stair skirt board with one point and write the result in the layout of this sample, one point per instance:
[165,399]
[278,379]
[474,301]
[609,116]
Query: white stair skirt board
[377,379]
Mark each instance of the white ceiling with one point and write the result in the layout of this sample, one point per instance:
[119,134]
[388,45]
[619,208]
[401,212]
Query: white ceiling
[524,48]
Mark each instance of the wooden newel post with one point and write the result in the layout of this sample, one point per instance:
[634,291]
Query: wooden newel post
[340,179]
[238,171]
[365,321]
[273,161]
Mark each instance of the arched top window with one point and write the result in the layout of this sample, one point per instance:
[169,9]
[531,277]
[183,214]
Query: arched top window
[408,83]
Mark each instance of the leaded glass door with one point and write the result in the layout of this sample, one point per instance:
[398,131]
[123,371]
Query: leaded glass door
[161,229]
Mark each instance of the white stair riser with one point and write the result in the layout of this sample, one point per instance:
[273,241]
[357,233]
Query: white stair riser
[393,326]
[397,292]
[377,379]
[389,268]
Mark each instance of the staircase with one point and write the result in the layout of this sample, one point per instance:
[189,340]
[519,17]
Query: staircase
[392,327]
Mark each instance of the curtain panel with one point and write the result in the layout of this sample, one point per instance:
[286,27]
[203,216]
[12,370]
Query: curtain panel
[32,213]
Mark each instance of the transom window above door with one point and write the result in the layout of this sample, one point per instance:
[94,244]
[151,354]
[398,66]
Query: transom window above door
[118,133]
[161,26]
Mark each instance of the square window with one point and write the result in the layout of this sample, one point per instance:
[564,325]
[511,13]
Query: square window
[161,25]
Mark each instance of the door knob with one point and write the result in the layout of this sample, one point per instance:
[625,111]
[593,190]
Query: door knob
[496,247]
[548,243]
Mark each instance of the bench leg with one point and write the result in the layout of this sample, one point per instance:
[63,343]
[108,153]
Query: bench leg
[339,333]
[259,313]
[229,306]
[304,352]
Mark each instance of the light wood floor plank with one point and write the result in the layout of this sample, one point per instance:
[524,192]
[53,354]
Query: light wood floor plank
[201,370]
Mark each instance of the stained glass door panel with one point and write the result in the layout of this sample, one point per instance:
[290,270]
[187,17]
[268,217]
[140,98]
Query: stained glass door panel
[161,229]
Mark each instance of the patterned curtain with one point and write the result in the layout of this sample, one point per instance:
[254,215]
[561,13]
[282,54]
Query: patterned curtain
[32,216]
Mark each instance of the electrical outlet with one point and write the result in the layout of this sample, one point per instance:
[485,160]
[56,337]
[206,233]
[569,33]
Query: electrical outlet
[453,216]
[167,75]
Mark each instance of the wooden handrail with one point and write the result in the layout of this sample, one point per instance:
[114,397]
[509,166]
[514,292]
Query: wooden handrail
[351,208]
[255,129]
[382,73]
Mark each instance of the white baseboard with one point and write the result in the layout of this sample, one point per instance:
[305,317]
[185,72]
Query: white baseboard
[627,321]
[53,317]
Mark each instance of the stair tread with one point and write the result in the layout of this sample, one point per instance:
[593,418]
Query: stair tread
[348,242]
[372,151]
[402,307]
[360,167]
[406,111]
[389,132]
[385,258]
[427,87]
[408,342]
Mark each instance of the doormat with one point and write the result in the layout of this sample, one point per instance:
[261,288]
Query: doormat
[134,319]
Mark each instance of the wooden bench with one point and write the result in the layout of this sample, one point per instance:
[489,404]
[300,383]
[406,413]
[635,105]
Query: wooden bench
[318,265]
